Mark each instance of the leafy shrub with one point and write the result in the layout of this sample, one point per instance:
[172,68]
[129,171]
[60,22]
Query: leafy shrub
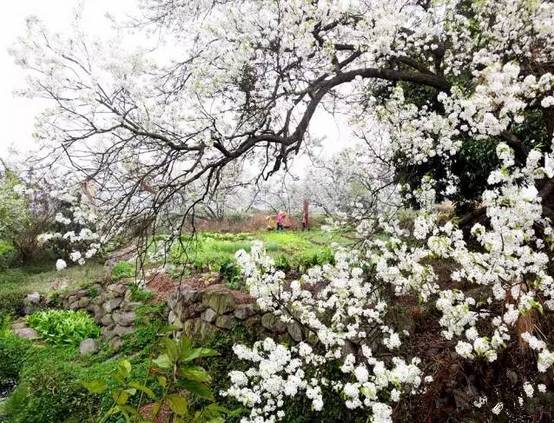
[11,352]
[11,302]
[282,262]
[139,294]
[64,326]
[7,255]
[49,388]
[123,269]
[175,377]
[231,274]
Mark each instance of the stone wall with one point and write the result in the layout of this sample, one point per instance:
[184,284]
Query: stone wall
[110,304]
[202,313]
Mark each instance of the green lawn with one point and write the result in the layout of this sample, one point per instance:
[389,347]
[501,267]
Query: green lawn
[294,249]
[15,283]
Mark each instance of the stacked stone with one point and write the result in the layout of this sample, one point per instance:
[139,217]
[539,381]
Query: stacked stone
[112,308]
[202,313]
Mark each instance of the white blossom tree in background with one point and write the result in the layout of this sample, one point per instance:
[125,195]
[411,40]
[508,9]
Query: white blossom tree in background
[463,90]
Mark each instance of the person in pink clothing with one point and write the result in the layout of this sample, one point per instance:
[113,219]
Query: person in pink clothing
[281,220]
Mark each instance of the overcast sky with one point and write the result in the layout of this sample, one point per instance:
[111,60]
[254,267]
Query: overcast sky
[17,114]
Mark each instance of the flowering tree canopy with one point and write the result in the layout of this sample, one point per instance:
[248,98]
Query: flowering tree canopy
[465,94]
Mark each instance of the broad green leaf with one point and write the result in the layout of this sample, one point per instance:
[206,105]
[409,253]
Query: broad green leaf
[95,386]
[178,404]
[170,348]
[196,373]
[124,368]
[197,388]
[199,353]
[143,388]
[163,361]
[121,397]
[162,380]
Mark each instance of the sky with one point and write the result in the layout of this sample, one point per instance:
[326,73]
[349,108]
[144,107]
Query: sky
[17,114]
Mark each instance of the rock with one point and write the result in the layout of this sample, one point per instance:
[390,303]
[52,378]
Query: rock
[253,326]
[219,300]
[198,329]
[26,333]
[88,346]
[74,305]
[295,331]
[273,324]
[130,305]
[244,311]
[19,325]
[186,294]
[225,322]
[115,343]
[107,332]
[107,320]
[32,298]
[122,330]
[124,319]
[112,304]
[83,302]
[117,288]
[193,311]
[209,315]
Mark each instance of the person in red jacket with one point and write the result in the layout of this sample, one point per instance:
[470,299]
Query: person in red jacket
[281,220]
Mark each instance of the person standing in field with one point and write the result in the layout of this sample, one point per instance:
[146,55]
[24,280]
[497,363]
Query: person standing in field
[281,220]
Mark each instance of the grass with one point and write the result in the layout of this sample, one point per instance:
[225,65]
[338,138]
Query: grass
[15,283]
[212,250]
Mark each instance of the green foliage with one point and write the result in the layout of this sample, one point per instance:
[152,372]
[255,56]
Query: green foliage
[15,212]
[173,379]
[49,389]
[15,283]
[123,269]
[64,326]
[231,274]
[8,255]
[11,347]
[139,294]
[151,323]
[292,250]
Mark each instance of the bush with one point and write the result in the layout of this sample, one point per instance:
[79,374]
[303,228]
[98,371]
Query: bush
[64,326]
[49,388]
[123,269]
[8,255]
[11,352]
[11,302]
[230,273]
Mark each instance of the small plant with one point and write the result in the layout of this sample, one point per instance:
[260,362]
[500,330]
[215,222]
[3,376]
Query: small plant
[231,274]
[173,379]
[66,327]
[123,269]
[140,294]
[8,254]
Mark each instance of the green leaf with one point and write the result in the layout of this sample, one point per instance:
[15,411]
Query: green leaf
[178,404]
[121,397]
[124,368]
[197,388]
[170,348]
[149,393]
[196,373]
[162,380]
[163,361]
[199,353]
[95,386]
